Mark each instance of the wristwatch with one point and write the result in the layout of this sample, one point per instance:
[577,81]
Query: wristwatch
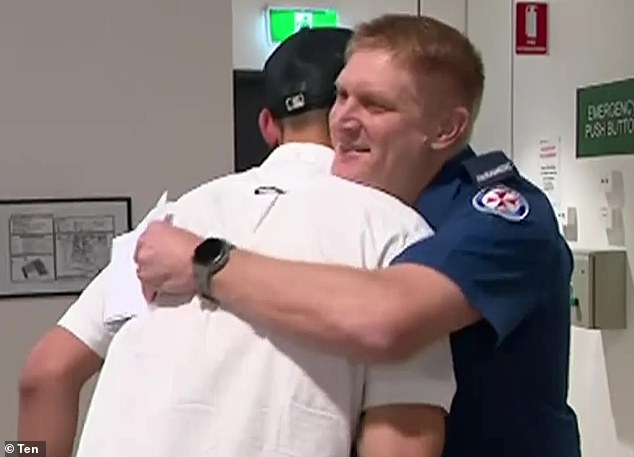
[210,256]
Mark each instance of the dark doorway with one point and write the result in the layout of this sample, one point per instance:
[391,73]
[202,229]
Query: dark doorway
[248,99]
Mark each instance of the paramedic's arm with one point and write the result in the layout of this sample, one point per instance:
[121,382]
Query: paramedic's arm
[477,266]
[366,315]
[371,316]
[56,370]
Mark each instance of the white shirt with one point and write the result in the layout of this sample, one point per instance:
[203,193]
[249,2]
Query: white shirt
[192,381]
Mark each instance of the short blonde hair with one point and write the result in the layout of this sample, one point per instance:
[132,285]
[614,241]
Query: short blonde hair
[428,46]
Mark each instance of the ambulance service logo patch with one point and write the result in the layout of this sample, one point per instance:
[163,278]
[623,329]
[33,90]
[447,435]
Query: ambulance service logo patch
[501,201]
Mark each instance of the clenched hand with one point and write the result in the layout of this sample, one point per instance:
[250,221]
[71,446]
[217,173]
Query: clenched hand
[164,260]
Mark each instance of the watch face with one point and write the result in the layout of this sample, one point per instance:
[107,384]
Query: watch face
[208,251]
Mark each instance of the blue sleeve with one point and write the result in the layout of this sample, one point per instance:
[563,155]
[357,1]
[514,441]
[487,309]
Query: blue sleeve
[501,266]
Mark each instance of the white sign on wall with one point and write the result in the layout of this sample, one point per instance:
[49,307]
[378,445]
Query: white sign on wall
[550,169]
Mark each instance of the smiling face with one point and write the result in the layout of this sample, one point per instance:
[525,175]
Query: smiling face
[378,127]
[406,102]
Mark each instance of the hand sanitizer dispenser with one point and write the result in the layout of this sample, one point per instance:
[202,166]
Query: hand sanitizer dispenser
[598,289]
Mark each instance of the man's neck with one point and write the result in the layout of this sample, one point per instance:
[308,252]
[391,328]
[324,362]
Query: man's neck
[431,171]
[316,136]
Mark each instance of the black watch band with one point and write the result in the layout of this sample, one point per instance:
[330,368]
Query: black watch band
[210,256]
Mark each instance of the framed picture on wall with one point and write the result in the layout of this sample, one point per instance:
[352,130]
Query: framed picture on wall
[56,246]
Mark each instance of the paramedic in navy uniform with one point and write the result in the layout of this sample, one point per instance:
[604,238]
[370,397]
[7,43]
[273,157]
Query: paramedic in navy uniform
[495,275]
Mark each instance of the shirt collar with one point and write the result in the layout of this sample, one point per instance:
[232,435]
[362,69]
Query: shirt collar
[453,168]
[437,198]
[314,153]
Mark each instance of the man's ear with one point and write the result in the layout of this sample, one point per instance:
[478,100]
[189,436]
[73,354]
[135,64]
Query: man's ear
[452,129]
[269,128]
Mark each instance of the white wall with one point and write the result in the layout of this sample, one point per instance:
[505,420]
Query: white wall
[590,43]
[452,12]
[106,98]
[489,27]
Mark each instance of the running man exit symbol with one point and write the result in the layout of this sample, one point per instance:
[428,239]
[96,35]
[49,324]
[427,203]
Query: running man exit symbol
[303,19]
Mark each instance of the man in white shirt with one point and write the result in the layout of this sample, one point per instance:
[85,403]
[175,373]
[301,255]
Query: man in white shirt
[193,380]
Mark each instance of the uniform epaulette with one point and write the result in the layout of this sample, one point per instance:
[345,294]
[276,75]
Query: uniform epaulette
[490,168]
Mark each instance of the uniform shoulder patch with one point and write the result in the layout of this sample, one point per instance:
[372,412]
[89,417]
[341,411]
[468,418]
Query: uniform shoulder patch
[501,201]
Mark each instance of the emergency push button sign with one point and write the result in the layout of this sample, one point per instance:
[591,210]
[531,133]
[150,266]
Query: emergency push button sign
[531,28]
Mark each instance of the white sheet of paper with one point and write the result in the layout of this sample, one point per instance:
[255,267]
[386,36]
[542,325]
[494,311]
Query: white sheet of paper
[124,297]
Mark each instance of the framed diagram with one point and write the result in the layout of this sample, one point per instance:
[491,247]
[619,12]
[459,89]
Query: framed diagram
[56,246]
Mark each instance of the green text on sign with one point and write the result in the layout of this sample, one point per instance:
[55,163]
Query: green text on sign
[283,22]
[605,119]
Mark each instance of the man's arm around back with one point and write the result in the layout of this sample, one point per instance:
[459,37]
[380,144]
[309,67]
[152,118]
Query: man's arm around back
[58,367]
[55,372]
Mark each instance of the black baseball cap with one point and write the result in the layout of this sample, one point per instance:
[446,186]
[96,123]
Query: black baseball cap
[300,74]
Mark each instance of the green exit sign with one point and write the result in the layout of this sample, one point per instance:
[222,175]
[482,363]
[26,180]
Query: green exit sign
[605,119]
[283,22]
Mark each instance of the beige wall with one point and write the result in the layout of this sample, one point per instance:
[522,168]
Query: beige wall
[103,98]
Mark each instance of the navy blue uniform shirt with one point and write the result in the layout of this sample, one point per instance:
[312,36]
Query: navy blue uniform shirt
[497,238]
